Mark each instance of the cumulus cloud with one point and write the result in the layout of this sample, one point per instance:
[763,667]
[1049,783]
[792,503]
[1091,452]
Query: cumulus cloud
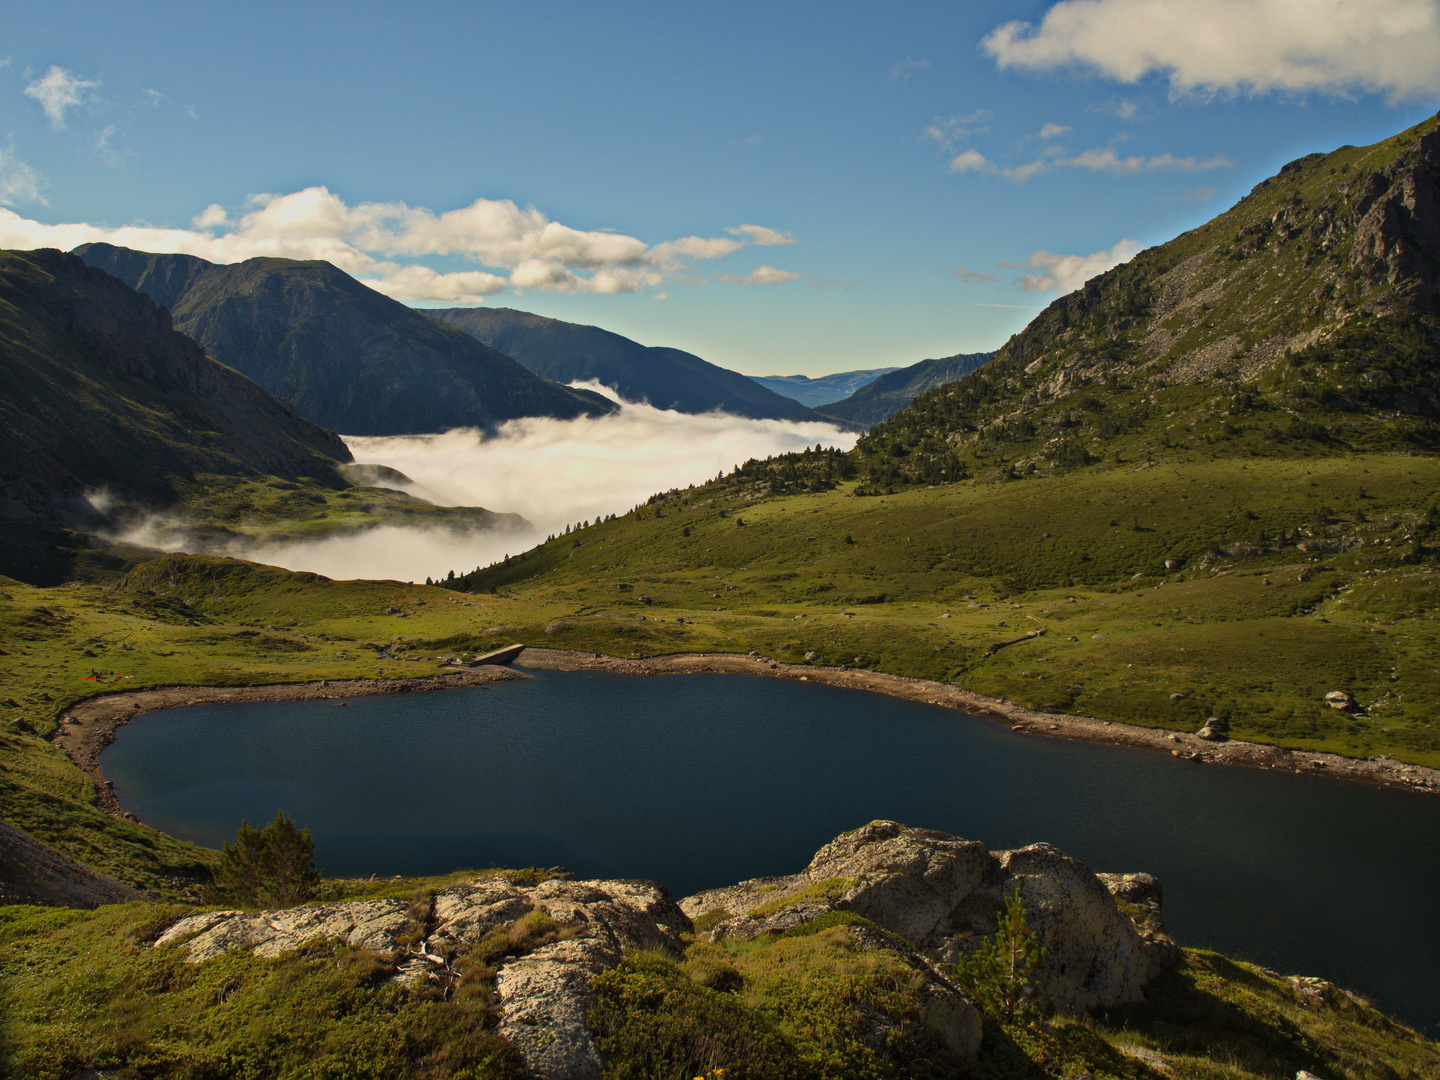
[58,90]
[552,472]
[1050,131]
[1066,273]
[1237,46]
[761,275]
[760,236]
[18,181]
[971,161]
[974,161]
[368,240]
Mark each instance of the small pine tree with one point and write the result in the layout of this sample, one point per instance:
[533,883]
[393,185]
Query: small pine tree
[1001,974]
[269,867]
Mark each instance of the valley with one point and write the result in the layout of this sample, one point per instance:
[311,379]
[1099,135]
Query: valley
[1189,510]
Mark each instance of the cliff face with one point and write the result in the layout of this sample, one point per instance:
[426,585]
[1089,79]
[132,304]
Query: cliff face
[102,393]
[345,356]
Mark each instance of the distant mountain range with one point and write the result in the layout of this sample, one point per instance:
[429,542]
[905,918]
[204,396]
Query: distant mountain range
[345,356]
[101,394]
[883,397]
[666,378]
[822,390]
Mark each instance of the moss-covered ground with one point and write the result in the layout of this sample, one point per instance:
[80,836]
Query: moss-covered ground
[88,990]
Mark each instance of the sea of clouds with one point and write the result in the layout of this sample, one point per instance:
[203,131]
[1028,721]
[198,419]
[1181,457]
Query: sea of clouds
[551,472]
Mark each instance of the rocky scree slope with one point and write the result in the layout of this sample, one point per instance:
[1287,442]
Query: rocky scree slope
[345,356]
[101,393]
[666,378]
[922,897]
[1303,319]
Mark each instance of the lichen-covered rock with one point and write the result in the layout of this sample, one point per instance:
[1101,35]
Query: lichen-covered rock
[1095,954]
[366,924]
[941,894]
[544,995]
[545,998]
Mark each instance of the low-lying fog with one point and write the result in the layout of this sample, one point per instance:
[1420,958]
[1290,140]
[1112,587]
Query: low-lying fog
[551,472]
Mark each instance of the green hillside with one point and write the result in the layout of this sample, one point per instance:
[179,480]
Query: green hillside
[1207,476]
[345,356]
[1302,320]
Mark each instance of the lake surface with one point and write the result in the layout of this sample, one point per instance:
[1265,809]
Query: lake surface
[704,780]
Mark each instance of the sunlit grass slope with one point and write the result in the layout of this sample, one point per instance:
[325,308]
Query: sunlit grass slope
[87,990]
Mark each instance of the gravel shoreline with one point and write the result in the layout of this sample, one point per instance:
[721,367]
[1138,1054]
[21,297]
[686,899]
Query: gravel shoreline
[88,727]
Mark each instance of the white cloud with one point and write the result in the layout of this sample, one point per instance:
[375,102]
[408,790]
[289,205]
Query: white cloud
[1050,131]
[1106,160]
[974,161]
[1238,46]
[367,239]
[551,472]
[971,161]
[1020,173]
[18,181]
[907,67]
[1066,273]
[697,247]
[760,236]
[58,90]
[761,275]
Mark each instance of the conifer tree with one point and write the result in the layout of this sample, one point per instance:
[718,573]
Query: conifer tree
[269,867]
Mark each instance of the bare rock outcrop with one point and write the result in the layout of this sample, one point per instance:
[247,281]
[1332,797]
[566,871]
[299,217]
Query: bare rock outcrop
[544,994]
[1103,936]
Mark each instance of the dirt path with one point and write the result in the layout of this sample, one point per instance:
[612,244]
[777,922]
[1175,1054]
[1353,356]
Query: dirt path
[1382,771]
[90,726]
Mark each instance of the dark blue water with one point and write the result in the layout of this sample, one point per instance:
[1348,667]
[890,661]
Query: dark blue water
[705,780]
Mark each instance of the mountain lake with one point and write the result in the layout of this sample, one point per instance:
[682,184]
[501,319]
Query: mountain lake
[705,780]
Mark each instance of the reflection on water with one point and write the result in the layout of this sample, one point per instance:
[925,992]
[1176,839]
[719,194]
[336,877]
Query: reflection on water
[704,780]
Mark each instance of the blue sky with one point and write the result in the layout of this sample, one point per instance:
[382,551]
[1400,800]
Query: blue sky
[906,170]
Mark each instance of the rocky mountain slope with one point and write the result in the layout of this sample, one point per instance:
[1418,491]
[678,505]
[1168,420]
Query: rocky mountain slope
[823,389]
[102,394]
[886,395]
[666,378]
[1303,319]
[345,356]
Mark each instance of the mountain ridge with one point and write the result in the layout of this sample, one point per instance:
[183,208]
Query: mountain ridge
[103,394]
[345,356]
[664,377]
[1302,319]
